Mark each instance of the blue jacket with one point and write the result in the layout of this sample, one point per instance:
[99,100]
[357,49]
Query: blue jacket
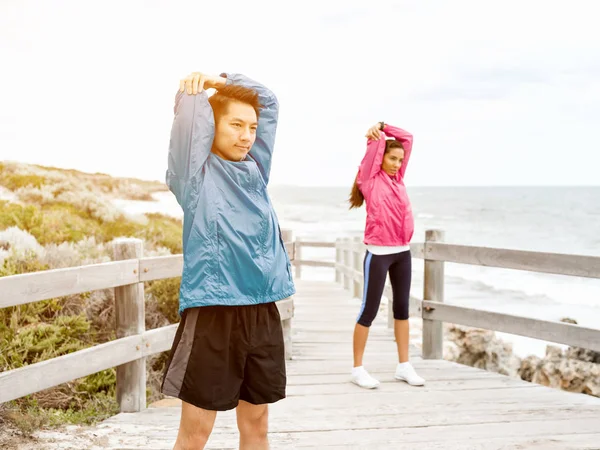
[233,251]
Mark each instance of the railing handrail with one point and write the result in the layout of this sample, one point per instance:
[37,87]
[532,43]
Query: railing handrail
[434,311]
[44,285]
[133,344]
[586,266]
[38,286]
[48,284]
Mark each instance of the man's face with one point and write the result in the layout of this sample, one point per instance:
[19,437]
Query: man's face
[235,132]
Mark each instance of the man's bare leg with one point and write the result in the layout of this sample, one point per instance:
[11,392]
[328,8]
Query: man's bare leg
[194,428]
[253,423]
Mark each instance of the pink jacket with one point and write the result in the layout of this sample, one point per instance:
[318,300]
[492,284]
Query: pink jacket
[389,214]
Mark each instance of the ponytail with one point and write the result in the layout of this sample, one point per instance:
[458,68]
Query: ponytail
[357,198]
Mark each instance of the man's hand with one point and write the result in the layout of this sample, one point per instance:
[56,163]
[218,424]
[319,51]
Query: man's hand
[197,81]
[373,132]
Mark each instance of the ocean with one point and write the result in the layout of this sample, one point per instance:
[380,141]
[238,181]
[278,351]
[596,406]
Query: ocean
[547,219]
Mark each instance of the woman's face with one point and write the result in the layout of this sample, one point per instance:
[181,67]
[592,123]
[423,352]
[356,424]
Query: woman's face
[392,161]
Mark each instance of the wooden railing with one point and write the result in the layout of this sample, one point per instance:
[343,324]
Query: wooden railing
[348,264]
[134,343]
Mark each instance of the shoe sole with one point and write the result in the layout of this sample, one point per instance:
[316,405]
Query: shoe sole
[365,387]
[406,381]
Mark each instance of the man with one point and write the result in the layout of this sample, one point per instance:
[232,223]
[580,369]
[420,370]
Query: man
[228,351]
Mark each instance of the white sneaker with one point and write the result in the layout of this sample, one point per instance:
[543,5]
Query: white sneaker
[406,372]
[362,378]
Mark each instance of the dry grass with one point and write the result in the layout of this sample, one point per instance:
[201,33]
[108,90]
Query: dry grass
[65,218]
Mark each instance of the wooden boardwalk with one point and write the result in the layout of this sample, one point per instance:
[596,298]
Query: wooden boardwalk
[459,408]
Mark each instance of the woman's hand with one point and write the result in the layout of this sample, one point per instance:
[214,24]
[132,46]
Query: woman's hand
[373,132]
[197,81]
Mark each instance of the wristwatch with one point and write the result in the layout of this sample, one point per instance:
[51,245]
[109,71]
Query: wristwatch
[381,126]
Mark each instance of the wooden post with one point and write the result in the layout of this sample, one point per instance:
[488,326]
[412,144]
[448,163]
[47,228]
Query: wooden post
[357,265]
[130,320]
[347,243]
[338,260]
[298,257]
[433,289]
[286,324]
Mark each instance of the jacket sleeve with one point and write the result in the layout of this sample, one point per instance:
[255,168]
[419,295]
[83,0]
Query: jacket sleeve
[262,150]
[371,162]
[407,141]
[192,135]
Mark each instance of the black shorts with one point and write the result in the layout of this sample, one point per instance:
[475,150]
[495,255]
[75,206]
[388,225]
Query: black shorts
[223,354]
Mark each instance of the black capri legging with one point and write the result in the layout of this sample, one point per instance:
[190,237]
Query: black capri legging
[376,267]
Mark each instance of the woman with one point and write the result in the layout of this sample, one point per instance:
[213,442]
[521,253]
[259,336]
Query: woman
[388,231]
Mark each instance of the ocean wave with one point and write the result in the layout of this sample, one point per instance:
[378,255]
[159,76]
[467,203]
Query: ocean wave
[534,288]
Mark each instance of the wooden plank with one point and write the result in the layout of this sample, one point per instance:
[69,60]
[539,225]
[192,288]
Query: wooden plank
[316,244]
[420,398]
[286,308]
[390,438]
[338,261]
[33,287]
[346,266]
[46,374]
[343,376]
[556,263]
[159,339]
[388,384]
[171,266]
[123,436]
[352,274]
[298,257]
[395,406]
[410,430]
[357,265]
[414,304]
[423,414]
[417,250]
[324,410]
[291,249]
[160,267]
[286,312]
[350,418]
[559,332]
[312,263]
[36,377]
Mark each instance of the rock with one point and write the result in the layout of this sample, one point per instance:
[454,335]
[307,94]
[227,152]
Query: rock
[529,367]
[451,351]
[582,354]
[573,370]
[481,349]
[568,320]
[559,371]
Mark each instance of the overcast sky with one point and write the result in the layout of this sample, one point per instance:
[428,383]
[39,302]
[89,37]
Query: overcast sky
[495,93]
